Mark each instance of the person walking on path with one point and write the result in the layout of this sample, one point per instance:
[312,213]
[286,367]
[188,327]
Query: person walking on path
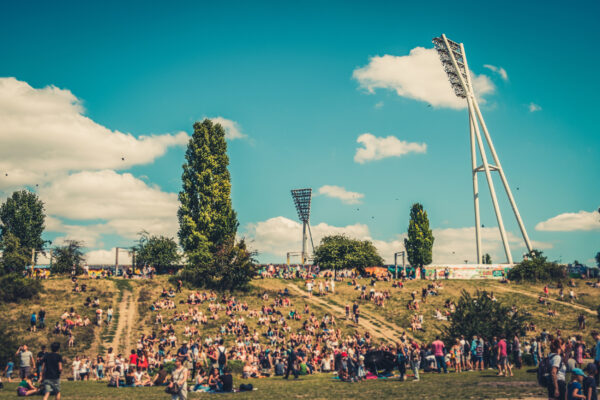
[52,365]
[179,377]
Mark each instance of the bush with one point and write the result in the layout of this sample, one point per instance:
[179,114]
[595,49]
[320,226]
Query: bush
[537,268]
[480,316]
[236,366]
[13,288]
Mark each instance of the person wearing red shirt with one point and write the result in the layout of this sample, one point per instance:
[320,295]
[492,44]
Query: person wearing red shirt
[438,351]
[133,360]
[503,365]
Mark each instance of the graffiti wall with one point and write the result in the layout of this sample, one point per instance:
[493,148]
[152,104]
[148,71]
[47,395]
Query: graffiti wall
[467,271]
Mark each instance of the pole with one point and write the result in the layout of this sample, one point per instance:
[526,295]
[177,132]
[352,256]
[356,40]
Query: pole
[403,264]
[303,258]
[475,190]
[396,265]
[116,260]
[513,204]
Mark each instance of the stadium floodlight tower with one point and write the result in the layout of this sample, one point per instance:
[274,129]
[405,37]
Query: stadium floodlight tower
[302,199]
[454,61]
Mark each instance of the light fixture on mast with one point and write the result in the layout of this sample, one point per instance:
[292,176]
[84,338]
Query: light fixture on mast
[302,198]
[454,61]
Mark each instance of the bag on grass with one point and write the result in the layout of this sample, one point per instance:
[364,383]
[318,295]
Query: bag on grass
[246,387]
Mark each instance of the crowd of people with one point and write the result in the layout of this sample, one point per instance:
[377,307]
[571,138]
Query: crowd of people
[290,338]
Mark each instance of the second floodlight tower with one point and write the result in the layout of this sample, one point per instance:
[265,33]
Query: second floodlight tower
[454,60]
[302,199]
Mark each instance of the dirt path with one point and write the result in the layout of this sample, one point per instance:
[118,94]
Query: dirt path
[127,311]
[535,296]
[377,326]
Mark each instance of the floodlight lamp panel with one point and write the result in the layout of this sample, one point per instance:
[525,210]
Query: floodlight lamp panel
[302,199]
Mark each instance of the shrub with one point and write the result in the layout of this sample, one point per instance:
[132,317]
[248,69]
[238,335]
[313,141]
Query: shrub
[236,366]
[13,288]
[537,268]
[479,315]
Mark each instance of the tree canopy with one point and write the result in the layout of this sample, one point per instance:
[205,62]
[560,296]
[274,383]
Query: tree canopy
[159,252]
[67,257]
[340,252]
[536,267]
[14,256]
[419,243]
[207,220]
[487,259]
[22,214]
[480,315]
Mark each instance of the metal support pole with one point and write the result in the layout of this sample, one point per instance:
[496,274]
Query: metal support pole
[475,190]
[503,178]
[303,257]
[116,260]
[396,265]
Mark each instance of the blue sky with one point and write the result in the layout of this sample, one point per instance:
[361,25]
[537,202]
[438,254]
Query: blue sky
[288,78]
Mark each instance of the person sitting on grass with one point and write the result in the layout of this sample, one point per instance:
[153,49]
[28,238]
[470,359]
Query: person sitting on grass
[213,380]
[26,387]
[113,378]
[201,382]
[161,377]
[226,380]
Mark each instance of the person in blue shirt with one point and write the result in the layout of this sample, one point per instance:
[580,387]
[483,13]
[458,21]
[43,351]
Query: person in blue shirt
[9,370]
[575,390]
[33,321]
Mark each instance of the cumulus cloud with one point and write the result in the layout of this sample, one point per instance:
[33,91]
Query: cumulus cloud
[499,70]
[567,222]
[276,236]
[107,257]
[232,129]
[44,132]
[419,76]
[534,107]
[376,148]
[338,192]
[124,204]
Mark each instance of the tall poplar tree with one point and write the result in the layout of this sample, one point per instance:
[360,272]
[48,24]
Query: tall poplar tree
[207,220]
[419,243]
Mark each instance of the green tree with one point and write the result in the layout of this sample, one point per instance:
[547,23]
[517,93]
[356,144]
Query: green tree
[159,252]
[207,220]
[598,259]
[479,315]
[67,257]
[14,257]
[231,268]
[487,259]
[22,214]
[536,267]
[340,252]
[419,243]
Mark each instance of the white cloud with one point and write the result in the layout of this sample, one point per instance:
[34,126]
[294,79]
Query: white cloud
[567,222]
[125,205]
[44,133]
[376,148]
[338,192]
[499,70]
[232,129]
[107,257]
[534,107]
[419,76]
[379,104]
[277,236]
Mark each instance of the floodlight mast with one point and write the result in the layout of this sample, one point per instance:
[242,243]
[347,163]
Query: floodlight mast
[454,61]
[302,198]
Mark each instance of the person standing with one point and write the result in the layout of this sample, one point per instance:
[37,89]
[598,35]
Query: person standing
[596,337]
[26,361]
[291,364]
[503,364]
[52,365]
[438,351]
[40,357]
[179,377]
[42,317]
[557,386]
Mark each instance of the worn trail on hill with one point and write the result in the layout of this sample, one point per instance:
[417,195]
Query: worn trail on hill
[387,330]
[535,296]
[127,309]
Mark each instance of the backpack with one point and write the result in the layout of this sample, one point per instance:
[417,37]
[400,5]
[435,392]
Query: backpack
[544,369]
[222,359]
